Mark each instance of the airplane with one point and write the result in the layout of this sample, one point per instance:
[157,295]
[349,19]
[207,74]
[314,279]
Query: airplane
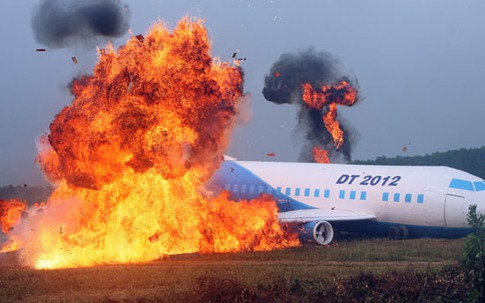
[397,201]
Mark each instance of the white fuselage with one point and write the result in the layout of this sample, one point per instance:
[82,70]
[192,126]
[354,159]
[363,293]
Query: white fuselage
[423,196]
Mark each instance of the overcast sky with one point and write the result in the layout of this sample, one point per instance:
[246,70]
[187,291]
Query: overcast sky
[420,66]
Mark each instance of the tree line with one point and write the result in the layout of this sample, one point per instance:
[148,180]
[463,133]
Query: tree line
[471,160]
[29,194]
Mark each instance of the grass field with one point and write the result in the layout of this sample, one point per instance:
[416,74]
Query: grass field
[302,274]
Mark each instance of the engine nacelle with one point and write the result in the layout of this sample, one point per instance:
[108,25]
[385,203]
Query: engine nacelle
[320,232]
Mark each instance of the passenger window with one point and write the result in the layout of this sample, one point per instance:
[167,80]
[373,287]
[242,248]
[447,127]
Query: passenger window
[251,189]
[341,194]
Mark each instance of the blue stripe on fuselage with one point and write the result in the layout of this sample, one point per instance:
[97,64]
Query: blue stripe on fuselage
[232,174]
[381,228]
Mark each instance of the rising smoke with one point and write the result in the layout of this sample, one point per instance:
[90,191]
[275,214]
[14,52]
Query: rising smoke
[283,85]
[62,23]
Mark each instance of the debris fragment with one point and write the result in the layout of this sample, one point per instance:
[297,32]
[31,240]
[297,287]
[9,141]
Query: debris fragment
[270,154]
[236,59]
[40,50]
[140,37]
[154,237]
[74,59]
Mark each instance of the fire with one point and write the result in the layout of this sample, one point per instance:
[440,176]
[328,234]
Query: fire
[332,125]
[10,212]
[130,156]
[342,93]
[329,97]
[320,155]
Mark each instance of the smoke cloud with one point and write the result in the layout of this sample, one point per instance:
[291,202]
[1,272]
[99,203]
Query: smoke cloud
[62,23]
[283,85]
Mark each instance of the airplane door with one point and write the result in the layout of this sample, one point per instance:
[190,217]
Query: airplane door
[454,211]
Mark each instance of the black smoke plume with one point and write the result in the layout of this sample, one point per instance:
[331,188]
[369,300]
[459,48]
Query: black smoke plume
[283,85]
[61,23]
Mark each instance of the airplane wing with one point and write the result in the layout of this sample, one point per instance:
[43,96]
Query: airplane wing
[307,215]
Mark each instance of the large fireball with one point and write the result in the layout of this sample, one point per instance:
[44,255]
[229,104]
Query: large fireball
[130,157]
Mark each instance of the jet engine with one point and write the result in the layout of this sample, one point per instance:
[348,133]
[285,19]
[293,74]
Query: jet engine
[320,232]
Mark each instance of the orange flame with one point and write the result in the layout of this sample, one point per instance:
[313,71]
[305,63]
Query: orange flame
[329,96]
[320,155]
[130,157]
[10,213]
[332,125]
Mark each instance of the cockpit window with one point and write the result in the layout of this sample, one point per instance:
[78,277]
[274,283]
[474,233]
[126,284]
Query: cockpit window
[479,186]
[461,184]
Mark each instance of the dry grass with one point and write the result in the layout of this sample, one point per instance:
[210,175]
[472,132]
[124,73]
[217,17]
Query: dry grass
[251,277]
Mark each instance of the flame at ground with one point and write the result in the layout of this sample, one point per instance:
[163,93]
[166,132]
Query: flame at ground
[142,217]
[10,212]
[328,98]
[130,157]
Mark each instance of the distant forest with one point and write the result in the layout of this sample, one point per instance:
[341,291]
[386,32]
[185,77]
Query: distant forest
[470,160]
[29,194]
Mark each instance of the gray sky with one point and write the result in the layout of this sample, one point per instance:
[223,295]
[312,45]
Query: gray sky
[420,67]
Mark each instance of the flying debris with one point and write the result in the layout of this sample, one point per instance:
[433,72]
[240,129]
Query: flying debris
[270,154]
[40,50]
[140,37]
[406,147]
[236,59]
[74,60]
